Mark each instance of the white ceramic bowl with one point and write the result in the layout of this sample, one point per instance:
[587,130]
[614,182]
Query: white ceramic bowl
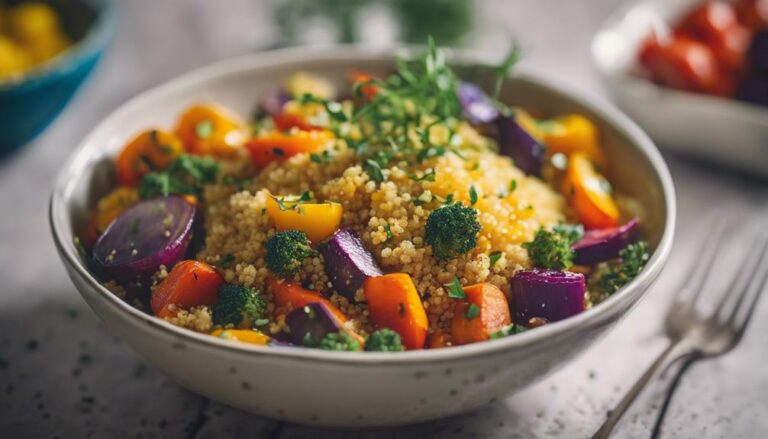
[725,131]
[347,389]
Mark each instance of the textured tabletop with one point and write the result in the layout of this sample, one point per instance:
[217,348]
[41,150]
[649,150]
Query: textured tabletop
[61,375]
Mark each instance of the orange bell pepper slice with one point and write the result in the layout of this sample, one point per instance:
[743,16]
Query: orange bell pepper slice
[574,133]
[589,194]
[152,150]
[250,336]
[207,129]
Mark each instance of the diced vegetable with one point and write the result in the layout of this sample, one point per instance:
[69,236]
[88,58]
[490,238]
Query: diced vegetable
[309,324]
[286,252]
[438,340]
[553,295]
[189,284]
[148,234]
[277,146]
[150,151]
[238,306]
[112,205]
[553,248]
[394,303]
[452,230]
[347,263]
[289,296]
[589,194]
[339,341]
[317,220]
[574,133]
[207,129]
[384,340]
[250,336]
[518,143]
[492,314]
[600,245]
[476,105]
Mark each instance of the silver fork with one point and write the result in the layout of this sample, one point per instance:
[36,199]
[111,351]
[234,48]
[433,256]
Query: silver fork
[692,334]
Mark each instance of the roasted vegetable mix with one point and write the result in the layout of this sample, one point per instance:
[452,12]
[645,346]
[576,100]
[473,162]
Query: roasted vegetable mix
[421,212]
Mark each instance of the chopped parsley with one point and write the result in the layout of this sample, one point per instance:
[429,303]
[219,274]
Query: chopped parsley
[472,195]
[508,330]
[291,202]
[632,259]
[495,256]
[454,289]
[373,168]
[388,229]
[473,311]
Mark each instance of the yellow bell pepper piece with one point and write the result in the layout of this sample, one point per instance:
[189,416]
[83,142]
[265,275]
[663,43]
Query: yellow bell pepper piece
[318,221]
[250,336]
[574,133]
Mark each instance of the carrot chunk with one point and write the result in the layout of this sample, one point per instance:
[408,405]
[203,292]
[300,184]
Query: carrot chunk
[151,150]
[289,296]
[484,311]
[189,284]
[394,303]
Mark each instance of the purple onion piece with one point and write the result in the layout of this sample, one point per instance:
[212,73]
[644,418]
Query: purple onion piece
[347,262]
[524,149]
[309,324]
[476,105]
[600,245]
[272,102]
[148,234]
[553,295]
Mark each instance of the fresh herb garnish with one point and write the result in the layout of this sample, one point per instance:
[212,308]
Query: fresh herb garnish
[226,261]
[472,195]
[495,256]
[454,289]
[632,259]
[388,229]
[429,175]
[291,202]
[204,129]
[373,169]
[185,175]
[508,330]
[512,185]
[473,311]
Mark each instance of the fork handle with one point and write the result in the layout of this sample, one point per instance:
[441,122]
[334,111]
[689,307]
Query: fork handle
[672,353]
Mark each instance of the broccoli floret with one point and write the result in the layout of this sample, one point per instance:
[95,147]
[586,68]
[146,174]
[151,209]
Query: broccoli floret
[286,252]
[185,175]
[339,341]
[237,304]
[633,258]
[452,230]
[553,249]
[384,340]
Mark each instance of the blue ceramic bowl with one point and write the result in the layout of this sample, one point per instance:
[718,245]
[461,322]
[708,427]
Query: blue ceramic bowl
[29,104]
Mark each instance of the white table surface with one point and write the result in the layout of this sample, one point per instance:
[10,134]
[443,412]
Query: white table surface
[61,375]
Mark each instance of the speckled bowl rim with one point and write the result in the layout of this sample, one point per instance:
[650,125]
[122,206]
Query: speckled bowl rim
[96,38]
[79,160]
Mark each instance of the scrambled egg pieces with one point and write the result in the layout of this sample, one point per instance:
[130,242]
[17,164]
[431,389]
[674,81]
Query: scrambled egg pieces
[30,35]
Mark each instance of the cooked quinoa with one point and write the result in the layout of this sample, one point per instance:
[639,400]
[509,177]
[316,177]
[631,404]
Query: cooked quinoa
[237,225]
